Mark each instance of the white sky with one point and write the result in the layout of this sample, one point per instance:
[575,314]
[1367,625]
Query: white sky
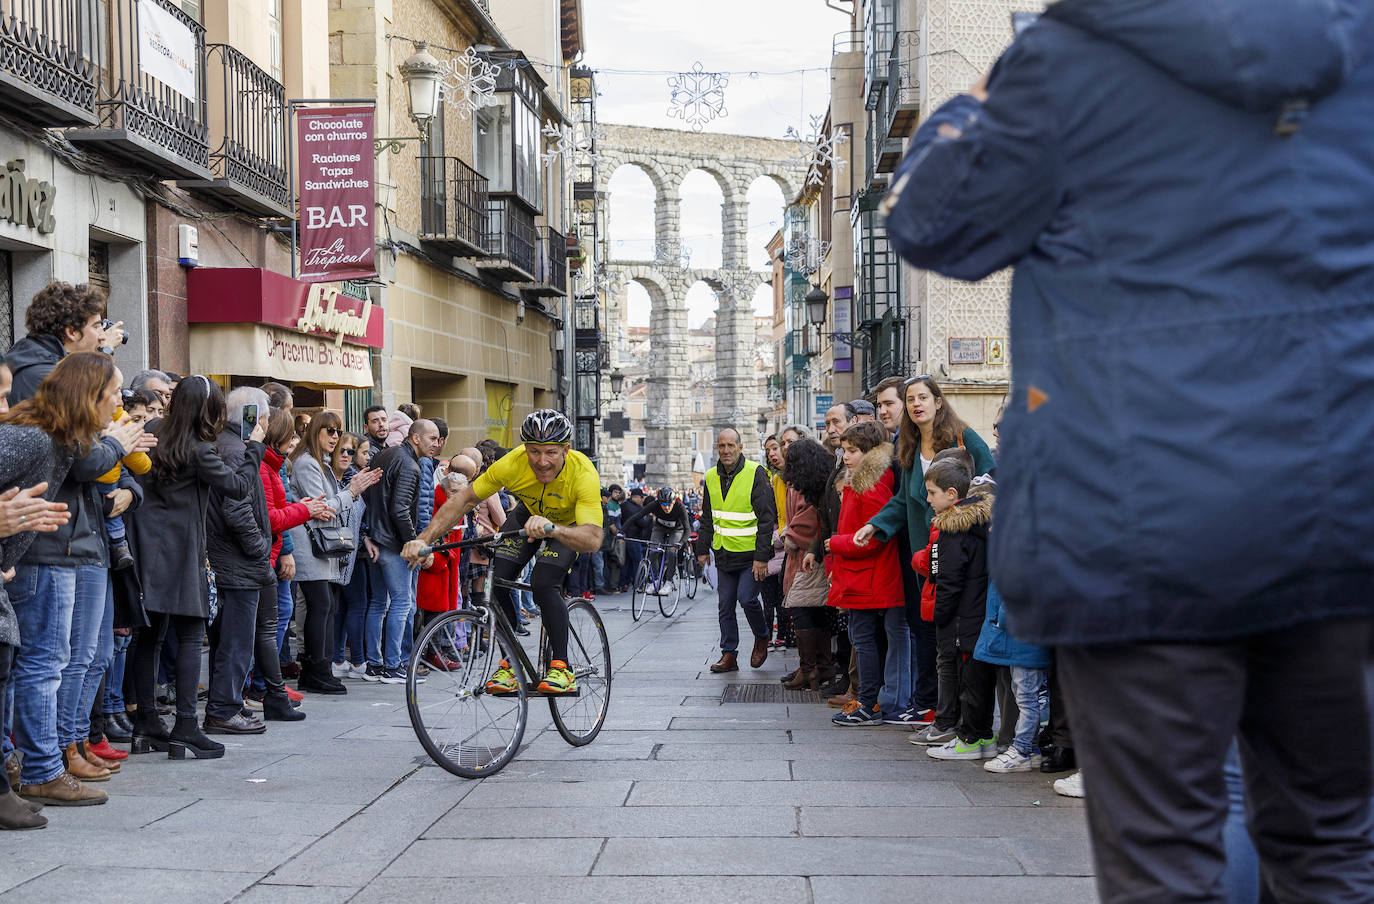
[763,36]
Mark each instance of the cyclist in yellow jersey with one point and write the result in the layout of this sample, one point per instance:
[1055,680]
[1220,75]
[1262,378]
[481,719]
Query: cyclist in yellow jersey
[560,513]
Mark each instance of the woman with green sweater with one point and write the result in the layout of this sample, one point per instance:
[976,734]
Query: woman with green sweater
[928,425]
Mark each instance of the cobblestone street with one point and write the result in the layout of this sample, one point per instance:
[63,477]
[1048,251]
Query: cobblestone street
[681,799]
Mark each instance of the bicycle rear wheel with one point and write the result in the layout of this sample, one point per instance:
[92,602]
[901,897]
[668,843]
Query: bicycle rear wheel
[579,718]
[464,729]
[640,589]
[693,577]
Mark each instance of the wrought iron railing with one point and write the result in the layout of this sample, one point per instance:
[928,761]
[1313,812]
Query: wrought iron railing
[553,258]
[902,93]
[510,233]
[453,201]
[248,108]
[847,42]
[884,355]
[50,46]
[587,314]
[132,99]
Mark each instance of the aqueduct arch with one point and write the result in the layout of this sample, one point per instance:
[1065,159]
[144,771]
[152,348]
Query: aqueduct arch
[736,162]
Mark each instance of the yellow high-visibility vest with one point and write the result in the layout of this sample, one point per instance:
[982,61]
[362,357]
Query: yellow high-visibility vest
[733,520]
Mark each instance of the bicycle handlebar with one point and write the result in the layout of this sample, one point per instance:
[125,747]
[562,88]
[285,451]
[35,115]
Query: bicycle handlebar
[479,541]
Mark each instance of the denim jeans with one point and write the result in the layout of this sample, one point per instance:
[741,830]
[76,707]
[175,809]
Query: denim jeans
[633,553]
[895,695]
[92,641]
[114,677]
[526,597]
[389,609]
[738,587]
[864,625]
[43,597]
[1026,685]
[348,626]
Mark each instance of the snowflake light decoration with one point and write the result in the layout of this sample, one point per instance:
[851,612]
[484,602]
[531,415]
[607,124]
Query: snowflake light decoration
[738,286]
[571,147]
[672,253]
[805,254]
[819,150]
[469,82]
[698,96]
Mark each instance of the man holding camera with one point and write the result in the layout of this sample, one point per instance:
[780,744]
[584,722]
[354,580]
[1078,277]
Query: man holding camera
[62,319]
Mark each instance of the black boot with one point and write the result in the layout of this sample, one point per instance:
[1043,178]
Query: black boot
[116,730]
[187,738]
[276,707]
[149,733]
[317,678]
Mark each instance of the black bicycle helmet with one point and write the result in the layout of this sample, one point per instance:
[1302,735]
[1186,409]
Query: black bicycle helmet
[546,426]
[666,496]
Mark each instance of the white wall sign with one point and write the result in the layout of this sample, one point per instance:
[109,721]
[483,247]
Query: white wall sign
[166,48]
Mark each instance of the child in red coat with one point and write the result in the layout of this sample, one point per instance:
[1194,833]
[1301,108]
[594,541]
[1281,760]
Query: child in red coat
[867,580]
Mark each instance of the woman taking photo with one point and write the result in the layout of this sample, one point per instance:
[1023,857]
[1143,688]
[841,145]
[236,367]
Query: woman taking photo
[52,437]
[347,461]
[171,540]
[321,578]
[281,441]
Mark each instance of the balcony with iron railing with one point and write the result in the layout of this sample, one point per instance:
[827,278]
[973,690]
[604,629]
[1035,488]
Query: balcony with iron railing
[453,207]
[551,264]
[248,118]
[509,241]
[878,30]
[151,112]
[883,356]
[48,69]
[902,98]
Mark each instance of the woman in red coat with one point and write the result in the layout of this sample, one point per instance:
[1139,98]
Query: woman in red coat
[867,580]
[280,439]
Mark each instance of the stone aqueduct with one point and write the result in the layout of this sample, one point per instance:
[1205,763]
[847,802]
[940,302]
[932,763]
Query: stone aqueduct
[735,162]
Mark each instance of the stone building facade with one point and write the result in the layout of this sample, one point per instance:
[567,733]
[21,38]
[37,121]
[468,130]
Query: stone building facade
[735,162]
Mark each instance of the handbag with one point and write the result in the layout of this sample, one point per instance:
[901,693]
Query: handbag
[809,589]
[332,540]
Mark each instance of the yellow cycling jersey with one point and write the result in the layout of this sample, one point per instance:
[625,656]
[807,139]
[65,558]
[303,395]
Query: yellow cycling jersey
[573,497]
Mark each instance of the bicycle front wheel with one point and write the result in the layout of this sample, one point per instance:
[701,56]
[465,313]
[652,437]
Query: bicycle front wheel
[579,718]
[640,589]
[464,728]
[668,599]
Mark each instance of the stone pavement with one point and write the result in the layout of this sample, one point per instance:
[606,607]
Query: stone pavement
[680,799]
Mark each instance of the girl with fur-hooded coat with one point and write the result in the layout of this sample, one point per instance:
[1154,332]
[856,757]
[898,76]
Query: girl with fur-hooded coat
[865,577]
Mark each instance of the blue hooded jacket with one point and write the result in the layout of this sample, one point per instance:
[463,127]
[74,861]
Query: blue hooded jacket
[1185,188]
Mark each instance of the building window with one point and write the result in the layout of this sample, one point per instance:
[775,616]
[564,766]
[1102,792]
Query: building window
[492,146]
[507,140]
[641,445]
[191,8]
[694,442]
[274,46]
[98,264]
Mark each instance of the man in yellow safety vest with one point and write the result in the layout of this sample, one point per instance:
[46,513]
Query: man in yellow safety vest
[737,522]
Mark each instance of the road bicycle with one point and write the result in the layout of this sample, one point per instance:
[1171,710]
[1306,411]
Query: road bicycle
[651,581]
[472,732]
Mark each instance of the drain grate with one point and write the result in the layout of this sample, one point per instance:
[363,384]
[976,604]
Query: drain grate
[766,693]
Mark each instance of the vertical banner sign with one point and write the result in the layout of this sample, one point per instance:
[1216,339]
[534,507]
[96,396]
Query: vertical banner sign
[499,399]
[166,49]
[844,323]
[335,163]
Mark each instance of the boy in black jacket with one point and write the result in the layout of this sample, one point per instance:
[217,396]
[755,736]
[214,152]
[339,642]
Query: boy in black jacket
[961,590]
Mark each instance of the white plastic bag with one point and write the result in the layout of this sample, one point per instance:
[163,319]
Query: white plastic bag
[709,573]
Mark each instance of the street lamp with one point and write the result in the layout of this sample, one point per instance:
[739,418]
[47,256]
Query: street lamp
[617,382]
[816,301]
[422,74]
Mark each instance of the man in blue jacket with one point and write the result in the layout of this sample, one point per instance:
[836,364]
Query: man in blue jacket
[1186,506]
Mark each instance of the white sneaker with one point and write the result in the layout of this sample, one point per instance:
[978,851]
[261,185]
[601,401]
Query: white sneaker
[339,669]
[1009,760]
[356,672]
[1071,786]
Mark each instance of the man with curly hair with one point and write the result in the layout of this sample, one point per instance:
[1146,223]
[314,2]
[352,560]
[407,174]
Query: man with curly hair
[62,319]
